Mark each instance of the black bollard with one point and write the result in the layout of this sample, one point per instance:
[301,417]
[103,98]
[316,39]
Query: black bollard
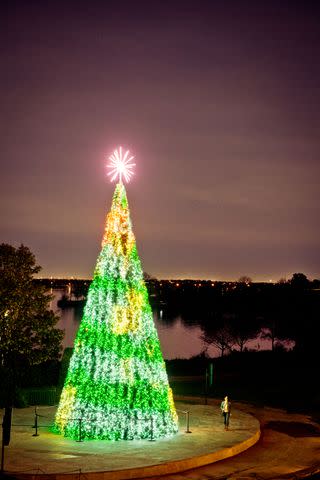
[206,389]
[35,422]
[188,422]
[152,439]
[80,430]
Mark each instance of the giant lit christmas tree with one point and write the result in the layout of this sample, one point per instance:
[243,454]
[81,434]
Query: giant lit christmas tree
[117,382]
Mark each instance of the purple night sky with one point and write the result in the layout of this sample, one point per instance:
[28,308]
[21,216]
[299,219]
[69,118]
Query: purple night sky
[219,101]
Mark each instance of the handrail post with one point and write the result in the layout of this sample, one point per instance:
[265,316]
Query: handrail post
[188,422]
[35,422]
[206,388]
[80,430]
[2,452]
[152,439]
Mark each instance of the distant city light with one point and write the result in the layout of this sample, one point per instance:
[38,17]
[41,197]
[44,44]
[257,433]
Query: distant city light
[120,165]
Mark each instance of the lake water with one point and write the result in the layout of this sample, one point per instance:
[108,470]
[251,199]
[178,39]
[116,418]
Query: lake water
[177,340]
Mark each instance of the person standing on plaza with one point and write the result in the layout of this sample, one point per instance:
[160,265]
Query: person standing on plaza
[226,412]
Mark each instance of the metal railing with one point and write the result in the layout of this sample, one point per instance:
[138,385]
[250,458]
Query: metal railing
[187,414]
[80,438]
[80,420]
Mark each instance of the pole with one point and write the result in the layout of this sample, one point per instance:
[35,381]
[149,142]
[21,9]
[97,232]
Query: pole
[211,374]
[151,426]
[35,422]
[188,422]
[6,431]
[206,388]
[2,453]
[80,430]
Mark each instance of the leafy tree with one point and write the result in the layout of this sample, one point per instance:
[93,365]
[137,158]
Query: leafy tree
[242,305]
[303,323]
[299,281]
[27,327]
[315,283]
[245,279]
[219,334]
[270,332]
[282,281]
[79,290]
[244,328]
[221,338]
[276,320]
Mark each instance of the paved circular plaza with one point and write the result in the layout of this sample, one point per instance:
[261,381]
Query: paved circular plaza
[58,456]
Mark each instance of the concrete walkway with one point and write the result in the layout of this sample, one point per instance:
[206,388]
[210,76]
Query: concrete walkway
[56,455]
[289,448]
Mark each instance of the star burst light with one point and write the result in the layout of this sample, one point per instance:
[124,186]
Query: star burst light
[121,165]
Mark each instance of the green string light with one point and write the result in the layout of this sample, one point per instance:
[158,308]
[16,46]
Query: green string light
[117,381]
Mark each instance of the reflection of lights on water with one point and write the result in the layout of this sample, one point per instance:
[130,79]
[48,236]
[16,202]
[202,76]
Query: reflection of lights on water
[189,337]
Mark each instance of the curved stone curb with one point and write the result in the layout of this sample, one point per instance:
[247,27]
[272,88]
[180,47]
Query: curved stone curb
[176,455]
[153,470]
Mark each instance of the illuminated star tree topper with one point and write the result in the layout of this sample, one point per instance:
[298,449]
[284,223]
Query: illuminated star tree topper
[121,165]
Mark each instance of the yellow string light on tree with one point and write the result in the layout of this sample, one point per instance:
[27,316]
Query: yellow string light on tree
[117,382]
